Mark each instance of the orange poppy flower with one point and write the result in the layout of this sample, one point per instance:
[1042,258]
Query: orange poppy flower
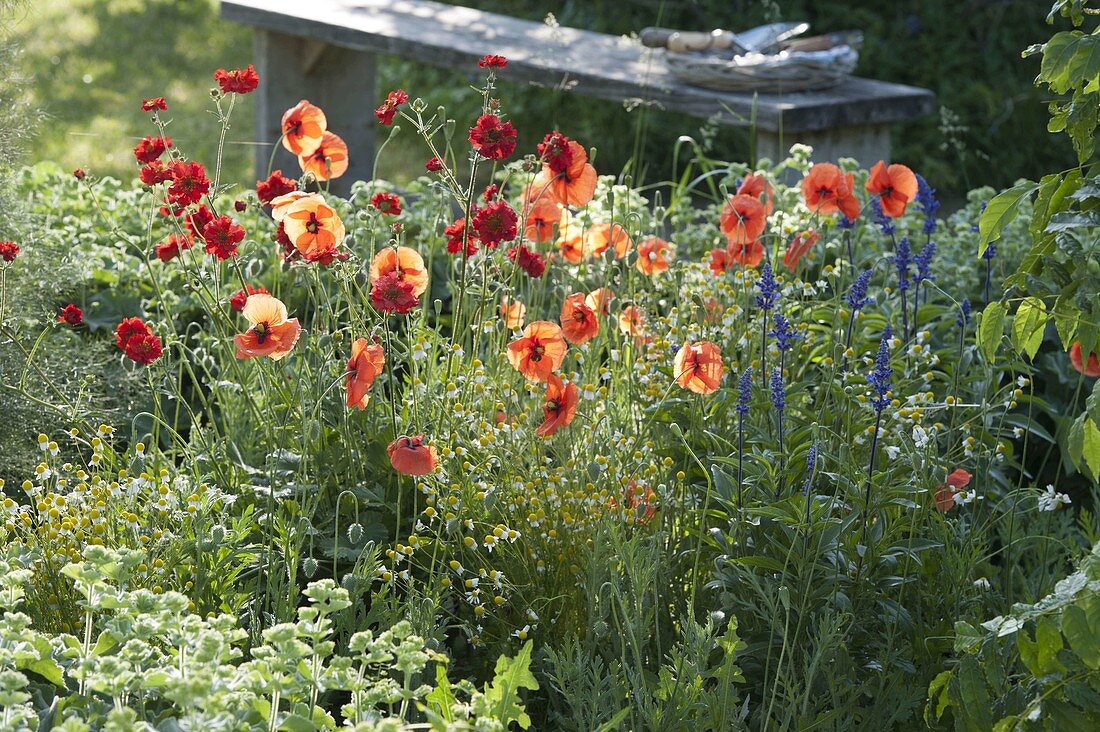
[698,367]
[599,300]
[575,185]
[756,185]
[798,247]
[945,494]
[560,406]
[652,255]
[304,125]
[639,503]
[406,262]
[366,363]
[602,236]
[743,219]
[281,204]
[1091,368]
[579,323]
[632,321]
[719,261]
[826,190]
[746,255]
[329,160]
[571,239]
[313,227]
[513,312]
[410,456]
[539,218]
[895,187]
[539,352]
[271,334]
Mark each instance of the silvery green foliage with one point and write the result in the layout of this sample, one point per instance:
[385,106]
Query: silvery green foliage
[143,658]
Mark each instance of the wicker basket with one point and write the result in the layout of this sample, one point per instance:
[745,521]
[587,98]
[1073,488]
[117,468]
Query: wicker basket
[787,71]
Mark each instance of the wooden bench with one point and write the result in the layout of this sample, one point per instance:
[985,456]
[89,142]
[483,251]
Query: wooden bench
[324,51]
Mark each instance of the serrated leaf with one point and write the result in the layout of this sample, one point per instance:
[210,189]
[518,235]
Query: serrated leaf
[1000,211]
[1028,325]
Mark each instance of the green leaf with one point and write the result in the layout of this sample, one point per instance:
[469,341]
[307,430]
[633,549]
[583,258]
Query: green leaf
[1028,326]
[511,675]
[1082,638]
[1090,447]
[442,699]
[937,694]
[974,695]
[990,329]
[967,637]
[1000,211]
[1048,642]
[1070,60]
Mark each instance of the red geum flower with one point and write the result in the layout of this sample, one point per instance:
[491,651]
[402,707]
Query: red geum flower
[240,297]
[434,164]
[189,183]
[560,406]
[492,61]
[895,187]
[128,328]
[148,105]
[72,315]
[196,220]
[9,250]
[531,262]
[743,219]
[79,173]
[387,203]
[276,185]
[143,348]
[455,232]
[492,138]
[154,173]
[171,247]
[1091,367]
[389,107]
[151,148]
[494,223]
[391,294]
[222,235]
[490,192]
[826,189]
[555,152]
[800,244]
[410,456]
[237,81]
[240,206]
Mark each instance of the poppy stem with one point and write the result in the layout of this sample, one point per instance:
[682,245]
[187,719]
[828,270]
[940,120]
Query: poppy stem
[867,490]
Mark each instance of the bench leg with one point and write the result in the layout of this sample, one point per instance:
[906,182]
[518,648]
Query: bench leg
[338,80]
[866,143]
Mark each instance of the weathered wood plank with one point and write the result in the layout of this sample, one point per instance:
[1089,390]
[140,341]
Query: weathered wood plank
[588,63]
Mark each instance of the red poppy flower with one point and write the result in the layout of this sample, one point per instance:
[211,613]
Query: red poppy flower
[492,138]
[495,222]
[366,363]
[826,189]
[9,250]
[151,148]
[189,183]
[148,105]
[698,367]
[798,247]
[71,314]
[945,494]
[222,235]
[410,456]
[575,185]
[405,262]
[170,248]
[434,164]
[240,297]
[1091,368]
[492,61]
[560,406]
[154,173]
[756,185]
[328,161]
[895,187]
[271,334]
[276,185]
[455,233]
[743,219]
[746,255]
[653,255]
[388,109]
[391,294]
[237,81]
[531,262]
[579,323]
[539,352]
[303,126]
